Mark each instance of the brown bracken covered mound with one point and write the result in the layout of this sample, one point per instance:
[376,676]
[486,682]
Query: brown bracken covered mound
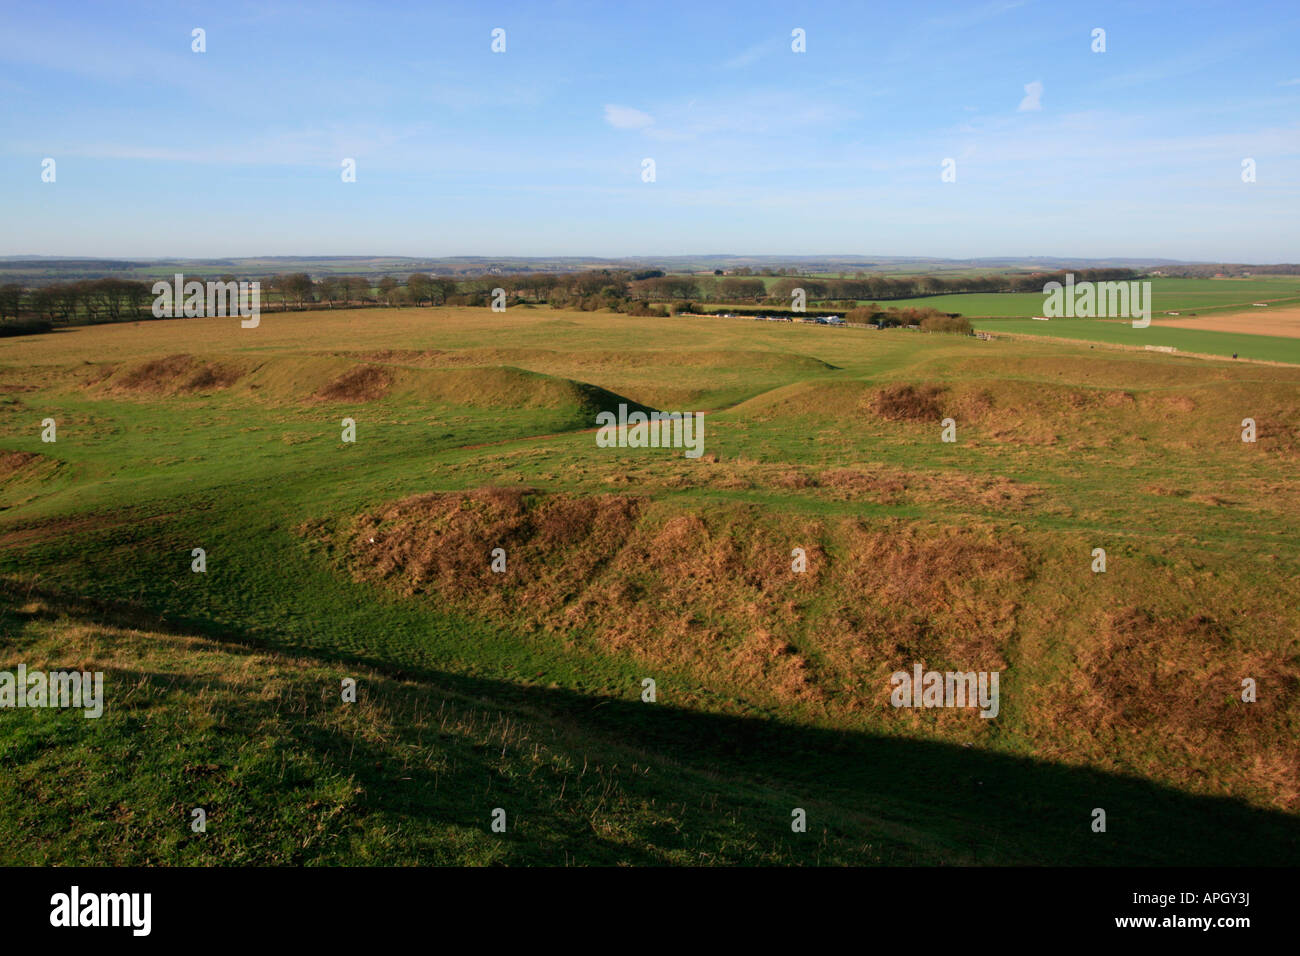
[12,462]
[176,375]
[441,544]
[1176,683]
[903,402]
[714,593]
[362,384]
[25,468]
[712,596]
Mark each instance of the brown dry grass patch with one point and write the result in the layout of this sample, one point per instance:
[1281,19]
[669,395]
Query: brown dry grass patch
[176,375]
[890,487]
[1177,681]
[442,544]
[905,402]
[712,593]
[12,462]
[366,383]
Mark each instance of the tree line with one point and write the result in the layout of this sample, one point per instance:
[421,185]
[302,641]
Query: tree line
[644,292]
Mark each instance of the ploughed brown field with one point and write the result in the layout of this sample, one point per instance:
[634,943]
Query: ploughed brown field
[1259,321]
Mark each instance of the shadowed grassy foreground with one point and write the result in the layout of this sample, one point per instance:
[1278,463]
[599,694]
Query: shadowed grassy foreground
[411,773]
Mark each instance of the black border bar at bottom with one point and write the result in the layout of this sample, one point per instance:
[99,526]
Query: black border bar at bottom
[943,906]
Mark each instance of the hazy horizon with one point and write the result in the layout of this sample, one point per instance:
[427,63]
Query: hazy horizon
[633,256]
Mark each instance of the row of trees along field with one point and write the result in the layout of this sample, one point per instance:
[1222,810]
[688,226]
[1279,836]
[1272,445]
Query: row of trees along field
[865,288]
[118,300]
[1207,270]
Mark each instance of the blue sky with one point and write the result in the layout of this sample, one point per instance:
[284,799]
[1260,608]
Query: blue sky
[1137,151]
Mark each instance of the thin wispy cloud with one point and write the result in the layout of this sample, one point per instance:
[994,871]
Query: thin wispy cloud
[751,55]
[1033,100]
[754,116]
[625,117]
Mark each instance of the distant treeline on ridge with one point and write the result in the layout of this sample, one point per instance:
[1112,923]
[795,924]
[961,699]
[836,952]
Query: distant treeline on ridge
[24,309]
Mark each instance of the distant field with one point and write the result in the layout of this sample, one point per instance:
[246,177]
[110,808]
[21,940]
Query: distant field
[522,689]
[1201,295]
[1279,321]
[1204,296]
[1270,348]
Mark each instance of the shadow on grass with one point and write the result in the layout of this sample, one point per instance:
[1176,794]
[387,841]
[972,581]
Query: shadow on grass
[982,806]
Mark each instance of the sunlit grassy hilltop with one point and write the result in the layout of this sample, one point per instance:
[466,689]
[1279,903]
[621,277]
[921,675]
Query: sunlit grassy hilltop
[475,430]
